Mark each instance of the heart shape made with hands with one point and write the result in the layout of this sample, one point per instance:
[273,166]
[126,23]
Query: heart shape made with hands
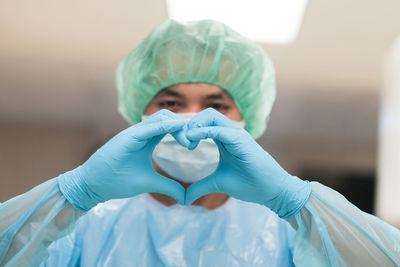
[123,166]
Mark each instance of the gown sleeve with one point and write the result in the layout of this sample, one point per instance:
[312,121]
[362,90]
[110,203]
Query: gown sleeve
[30,222]
[330,231]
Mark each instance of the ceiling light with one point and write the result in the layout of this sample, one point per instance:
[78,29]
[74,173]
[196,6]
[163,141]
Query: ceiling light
[266,21]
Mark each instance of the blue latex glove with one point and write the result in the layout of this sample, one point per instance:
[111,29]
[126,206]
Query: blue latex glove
[123,166]
[246,171]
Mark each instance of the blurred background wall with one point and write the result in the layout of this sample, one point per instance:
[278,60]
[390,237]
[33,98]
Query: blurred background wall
[58,99]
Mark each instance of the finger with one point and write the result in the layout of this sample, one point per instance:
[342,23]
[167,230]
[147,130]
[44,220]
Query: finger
[193,144]
[201,188]
[154,141]
[210,117]
[180,137]
[160,115]
[145,132]
[168,187]
[222,134]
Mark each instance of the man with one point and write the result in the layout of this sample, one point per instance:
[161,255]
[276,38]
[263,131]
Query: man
[197,95]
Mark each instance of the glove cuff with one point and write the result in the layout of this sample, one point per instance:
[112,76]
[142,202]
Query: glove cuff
[76,191]
[291,199]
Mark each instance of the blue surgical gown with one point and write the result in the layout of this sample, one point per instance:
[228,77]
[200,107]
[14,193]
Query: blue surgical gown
[142,232]
[41,227]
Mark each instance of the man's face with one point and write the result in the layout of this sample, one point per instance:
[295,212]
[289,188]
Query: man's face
[194,97]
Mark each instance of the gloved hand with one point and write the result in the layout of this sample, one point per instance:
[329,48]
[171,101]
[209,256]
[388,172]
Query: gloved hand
[123,166]
[245,171]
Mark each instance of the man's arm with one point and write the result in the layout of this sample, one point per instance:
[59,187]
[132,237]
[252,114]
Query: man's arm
[330,230]
[121,168]
[333,232]
[29,223]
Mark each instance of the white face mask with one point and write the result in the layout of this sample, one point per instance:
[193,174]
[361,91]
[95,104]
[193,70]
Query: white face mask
[185,165]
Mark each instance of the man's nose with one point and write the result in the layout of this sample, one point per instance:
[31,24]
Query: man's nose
[194,108]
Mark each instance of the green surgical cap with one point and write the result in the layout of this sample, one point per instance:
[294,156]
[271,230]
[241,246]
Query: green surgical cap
[198,52]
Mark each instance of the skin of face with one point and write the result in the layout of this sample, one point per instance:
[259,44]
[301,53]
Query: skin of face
[193,97]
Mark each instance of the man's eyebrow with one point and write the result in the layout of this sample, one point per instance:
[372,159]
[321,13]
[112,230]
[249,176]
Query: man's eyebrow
[215,96]
[170,92]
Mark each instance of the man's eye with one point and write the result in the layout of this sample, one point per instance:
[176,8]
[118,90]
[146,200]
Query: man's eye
[170,105]
[167,104]
[219,107]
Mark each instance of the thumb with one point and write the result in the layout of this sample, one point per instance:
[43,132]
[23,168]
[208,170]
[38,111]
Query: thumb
[168,187]
[201,188]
